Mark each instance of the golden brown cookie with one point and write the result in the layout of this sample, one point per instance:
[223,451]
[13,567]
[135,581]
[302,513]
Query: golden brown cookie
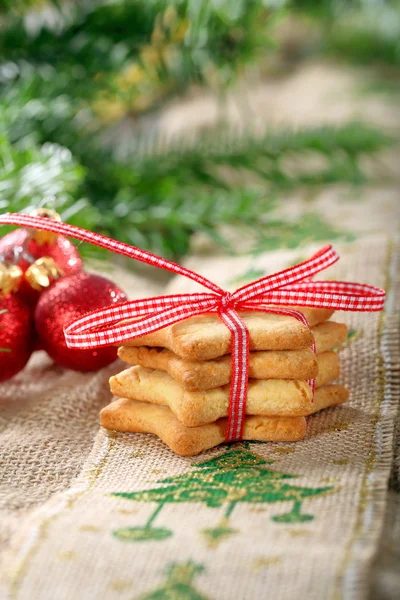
[204,375]
[139,417]
[328,368]
[329,335]
[206,337]
[327,396]
[268,397]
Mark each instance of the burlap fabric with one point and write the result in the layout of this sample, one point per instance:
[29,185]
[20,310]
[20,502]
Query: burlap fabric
[245,521]
[48,422]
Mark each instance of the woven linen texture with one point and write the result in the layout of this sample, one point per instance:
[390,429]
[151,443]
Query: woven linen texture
[296,520]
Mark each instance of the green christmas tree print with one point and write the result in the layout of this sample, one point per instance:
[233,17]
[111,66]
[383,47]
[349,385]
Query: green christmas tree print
[179,584]
[227,480]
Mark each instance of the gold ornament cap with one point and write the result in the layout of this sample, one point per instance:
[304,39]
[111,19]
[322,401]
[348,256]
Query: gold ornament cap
[42,272]
[45,237]
[10,279]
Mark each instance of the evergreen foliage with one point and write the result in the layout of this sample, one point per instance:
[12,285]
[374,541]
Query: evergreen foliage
[70,70]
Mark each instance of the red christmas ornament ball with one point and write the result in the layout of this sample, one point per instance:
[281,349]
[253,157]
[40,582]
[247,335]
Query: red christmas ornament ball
[61,250]
[65,301]
[16,336]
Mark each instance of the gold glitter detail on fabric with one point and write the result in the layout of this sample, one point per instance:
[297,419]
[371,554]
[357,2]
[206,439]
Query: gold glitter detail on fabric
[341,462]
[298,532]
[283,450]
[214,536]
[90,528]
[338,426]
[97,470]
[265,561]
[68,555]
[137,454]
[119,585]
[124,511]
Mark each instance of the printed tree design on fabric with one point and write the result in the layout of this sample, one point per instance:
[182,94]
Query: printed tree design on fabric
[236,476]
[179,584]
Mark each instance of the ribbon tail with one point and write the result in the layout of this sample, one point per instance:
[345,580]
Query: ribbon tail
[109,244]
[300,272]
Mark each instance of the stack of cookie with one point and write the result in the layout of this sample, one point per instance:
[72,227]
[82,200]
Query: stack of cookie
[178,388]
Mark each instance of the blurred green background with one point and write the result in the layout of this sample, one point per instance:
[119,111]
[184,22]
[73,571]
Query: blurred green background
[89,90]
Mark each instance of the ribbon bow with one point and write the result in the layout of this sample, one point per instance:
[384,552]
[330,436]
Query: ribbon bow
[292,286]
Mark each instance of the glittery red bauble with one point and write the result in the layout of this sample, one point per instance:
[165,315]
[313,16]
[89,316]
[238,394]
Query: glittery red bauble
[62,251]
[16,336]
[65,301]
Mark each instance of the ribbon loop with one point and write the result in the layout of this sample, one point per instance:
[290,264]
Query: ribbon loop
[321,260]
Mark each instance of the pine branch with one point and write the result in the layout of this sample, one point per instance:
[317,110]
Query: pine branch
[155,196]
[157,200]
[129,56]
[342,147]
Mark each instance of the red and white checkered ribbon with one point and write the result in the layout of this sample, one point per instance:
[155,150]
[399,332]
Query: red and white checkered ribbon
[292,286]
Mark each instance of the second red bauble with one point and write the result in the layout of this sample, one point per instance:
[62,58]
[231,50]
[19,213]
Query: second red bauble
[16,336]
[65,301]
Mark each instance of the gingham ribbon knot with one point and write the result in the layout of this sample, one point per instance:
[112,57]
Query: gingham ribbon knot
[291,287]
[227,301]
